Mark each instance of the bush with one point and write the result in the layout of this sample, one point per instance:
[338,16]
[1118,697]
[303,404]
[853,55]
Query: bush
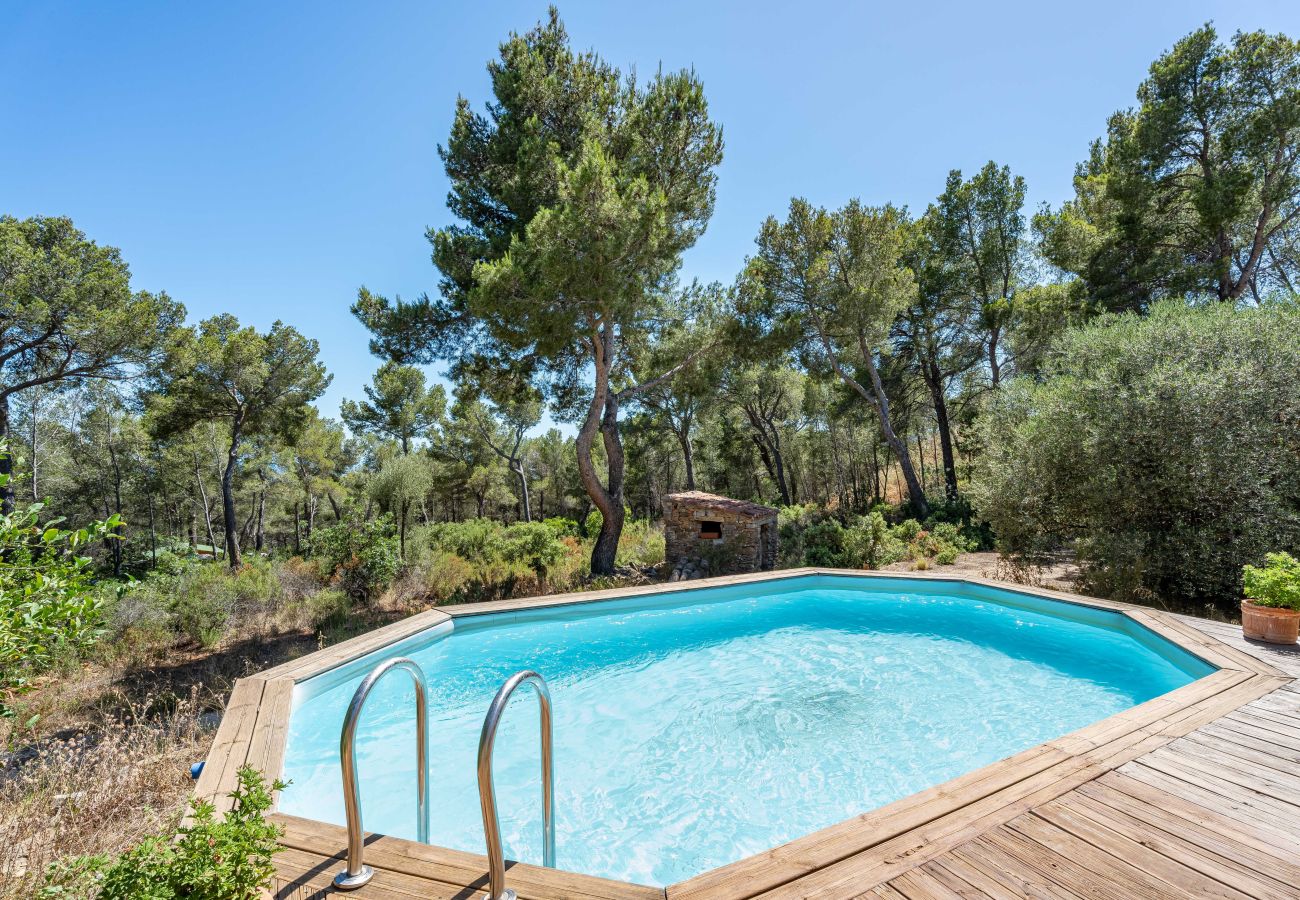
[1162,448]
[48,609]
[823,544]
[641,544]
[328,606]
[359,557]
[533,544]
[1277,584]
[228,859]
[563,527]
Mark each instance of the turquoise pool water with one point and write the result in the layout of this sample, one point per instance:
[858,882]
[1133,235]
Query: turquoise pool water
[696,728]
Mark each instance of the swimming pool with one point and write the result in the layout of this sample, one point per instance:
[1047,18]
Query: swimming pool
[698,727]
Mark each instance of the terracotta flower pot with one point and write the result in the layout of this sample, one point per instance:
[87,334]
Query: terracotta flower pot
[1264,623]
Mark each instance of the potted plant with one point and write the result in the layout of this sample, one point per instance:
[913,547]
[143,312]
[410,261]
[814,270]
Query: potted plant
[1271,610]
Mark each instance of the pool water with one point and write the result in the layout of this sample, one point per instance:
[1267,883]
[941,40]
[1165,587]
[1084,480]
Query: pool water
[696,728]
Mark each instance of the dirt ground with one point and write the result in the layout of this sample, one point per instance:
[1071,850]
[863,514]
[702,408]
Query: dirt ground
[1061,575]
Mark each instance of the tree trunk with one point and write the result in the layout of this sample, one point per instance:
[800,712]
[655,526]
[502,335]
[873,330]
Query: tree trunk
[688,455]
[259,535]
[609,500]
[401,529]
[297,531]
[518,467]
[934,380]
[119,532]
[916,494]
[611,526]
[207,509]
[34,466]
[6,460]
[153,533]
[228,498]
[995,370]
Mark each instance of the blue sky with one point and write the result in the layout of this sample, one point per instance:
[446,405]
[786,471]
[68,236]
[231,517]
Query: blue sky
[266,159]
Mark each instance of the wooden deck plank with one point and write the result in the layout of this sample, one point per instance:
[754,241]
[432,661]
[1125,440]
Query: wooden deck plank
[230,746]
[981,881]
[455,866]
[1227,800]
[921,885]
[1160,870]
[984,854]
[1176,849]
[884,859]
[1086,868]
[1192,822]
[951,881]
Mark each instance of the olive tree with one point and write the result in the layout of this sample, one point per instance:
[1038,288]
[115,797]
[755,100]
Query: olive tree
[1163,448]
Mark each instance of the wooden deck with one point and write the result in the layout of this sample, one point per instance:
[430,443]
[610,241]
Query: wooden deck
[1193,794]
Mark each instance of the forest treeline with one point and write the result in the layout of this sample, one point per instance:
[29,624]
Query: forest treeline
[1113,376]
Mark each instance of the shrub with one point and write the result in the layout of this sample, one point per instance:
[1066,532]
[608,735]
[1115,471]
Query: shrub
[1163,448]
[1276,584]
[641,544]
[228,859]
[328,606]
[48,609]
[563,527]
[360,557]
[203,601]
[823,544]
[533,544]
[870,543]
[479,541]
[444,575]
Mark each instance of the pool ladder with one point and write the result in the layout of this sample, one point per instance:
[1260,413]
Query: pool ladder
[357,872]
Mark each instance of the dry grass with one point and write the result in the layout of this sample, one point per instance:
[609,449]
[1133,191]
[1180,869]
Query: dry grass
[98,789]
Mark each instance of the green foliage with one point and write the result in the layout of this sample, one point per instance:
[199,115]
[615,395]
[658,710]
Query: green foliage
[533,544]
[67,311]
[397,405]
[1276,584]
[562,526]
[48,609]
[1194,191]
[209,859]
[1162,447]
[360,557]
[811,536]
[641,544]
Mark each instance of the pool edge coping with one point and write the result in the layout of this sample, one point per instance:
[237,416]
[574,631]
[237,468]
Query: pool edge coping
[254,731]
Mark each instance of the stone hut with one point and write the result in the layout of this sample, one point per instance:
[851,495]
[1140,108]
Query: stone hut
[711,535]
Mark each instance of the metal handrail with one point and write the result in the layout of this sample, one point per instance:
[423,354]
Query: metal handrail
[487,793]
[357,872]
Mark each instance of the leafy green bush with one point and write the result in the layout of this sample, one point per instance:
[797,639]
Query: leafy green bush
[480,541]
[563,527]
[230,859]
[48,609]
[871,543]
[641,544]
[1276,584]
[328,606]
[360,557]
[444,575]
[533,544]
[1162,448]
